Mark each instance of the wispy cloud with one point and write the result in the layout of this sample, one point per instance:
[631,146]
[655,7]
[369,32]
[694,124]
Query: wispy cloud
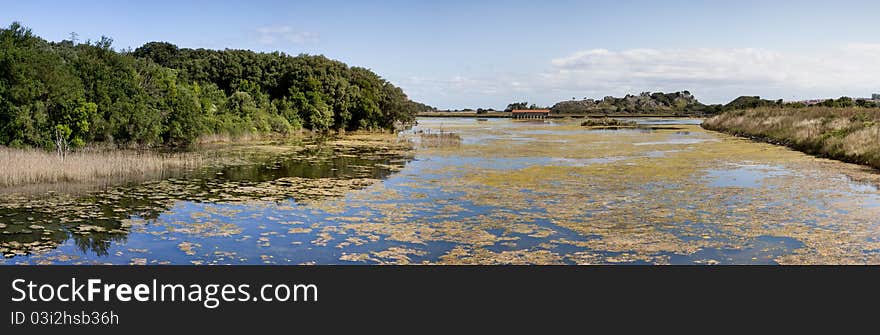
[281,34]
[461,91]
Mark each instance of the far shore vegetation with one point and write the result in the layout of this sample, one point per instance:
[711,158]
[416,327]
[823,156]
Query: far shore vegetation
[850,134]
[651,104]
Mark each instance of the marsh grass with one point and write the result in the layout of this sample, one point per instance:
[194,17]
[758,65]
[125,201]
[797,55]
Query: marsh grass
[20,167]
[847,134]
[226,138]
[439,139]
[608,122]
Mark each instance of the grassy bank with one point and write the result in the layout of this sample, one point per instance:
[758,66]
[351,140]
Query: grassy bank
[847,134]
[29,166]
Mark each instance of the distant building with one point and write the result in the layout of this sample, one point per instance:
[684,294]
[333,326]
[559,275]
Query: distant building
[529,113]
[875,96]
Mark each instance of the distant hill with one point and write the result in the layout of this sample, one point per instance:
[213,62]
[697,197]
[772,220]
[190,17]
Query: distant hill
[656,103]
[746,102]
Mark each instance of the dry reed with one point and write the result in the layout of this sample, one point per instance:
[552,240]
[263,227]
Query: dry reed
[30,166]
[439,139]
[609,122]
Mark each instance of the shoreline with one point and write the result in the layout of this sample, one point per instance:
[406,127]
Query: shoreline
[843,134]
[795,147]
[551,116]
[31,170]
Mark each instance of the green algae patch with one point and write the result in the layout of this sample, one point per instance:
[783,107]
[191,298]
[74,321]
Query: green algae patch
[648,207]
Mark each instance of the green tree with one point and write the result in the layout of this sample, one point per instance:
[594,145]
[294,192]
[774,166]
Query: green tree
[517,105]
[184,122]
[319,116]
[160,94]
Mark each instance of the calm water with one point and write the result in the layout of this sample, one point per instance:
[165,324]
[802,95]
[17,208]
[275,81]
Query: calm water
[494,191]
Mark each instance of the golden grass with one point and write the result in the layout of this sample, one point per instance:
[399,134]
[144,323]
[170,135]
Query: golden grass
[848,134]
[20,167]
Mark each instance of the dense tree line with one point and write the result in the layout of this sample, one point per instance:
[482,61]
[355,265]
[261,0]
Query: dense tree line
[67,94]
[684,103]
[522,105]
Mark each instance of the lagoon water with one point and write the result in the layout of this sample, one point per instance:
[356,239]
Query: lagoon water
[470,191]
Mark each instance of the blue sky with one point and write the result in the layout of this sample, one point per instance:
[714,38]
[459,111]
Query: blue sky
[456,54]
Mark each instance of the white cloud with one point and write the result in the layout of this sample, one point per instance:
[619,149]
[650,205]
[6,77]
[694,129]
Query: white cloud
[276,34]
[709,65]
[725,72]
[714,75]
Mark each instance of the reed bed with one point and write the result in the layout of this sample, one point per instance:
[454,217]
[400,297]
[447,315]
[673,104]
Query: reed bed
[439,139]
[847,134]
[609,122]
[30,166]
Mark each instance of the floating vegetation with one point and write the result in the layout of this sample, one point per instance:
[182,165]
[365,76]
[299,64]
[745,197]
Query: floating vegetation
[507,193]
[608,122]
[464,256]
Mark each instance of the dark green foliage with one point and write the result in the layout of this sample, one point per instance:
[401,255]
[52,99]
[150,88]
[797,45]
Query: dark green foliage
[163,53]
[517,105]
[846,102]
[684,103]
[39,90]
[160,94]
[867,103]
[746,102]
